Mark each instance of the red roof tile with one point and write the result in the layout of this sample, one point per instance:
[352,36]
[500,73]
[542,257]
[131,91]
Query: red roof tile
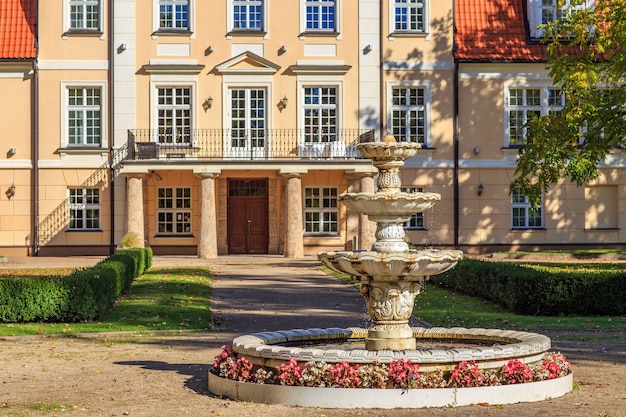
[494,30]
[17,29]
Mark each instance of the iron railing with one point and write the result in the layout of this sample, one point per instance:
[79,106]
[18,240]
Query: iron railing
[234,144]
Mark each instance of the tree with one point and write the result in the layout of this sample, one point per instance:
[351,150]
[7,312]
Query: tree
[586,58]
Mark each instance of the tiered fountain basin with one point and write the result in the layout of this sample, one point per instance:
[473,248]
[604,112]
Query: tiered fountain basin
[489,348]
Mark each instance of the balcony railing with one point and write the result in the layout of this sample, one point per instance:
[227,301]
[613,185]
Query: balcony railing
[234,144]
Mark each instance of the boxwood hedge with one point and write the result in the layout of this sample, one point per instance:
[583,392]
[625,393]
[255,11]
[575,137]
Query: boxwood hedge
[541,289]
[85,294]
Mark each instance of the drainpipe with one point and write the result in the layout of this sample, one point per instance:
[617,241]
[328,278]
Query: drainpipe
[456,156]
[381,94]
[111,57]
[35,151]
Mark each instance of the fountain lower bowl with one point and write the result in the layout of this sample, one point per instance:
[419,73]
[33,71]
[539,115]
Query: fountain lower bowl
[408,266]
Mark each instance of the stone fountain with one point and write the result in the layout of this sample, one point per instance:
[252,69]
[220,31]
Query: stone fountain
[392,275]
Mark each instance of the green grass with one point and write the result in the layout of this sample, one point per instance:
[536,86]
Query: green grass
[441,307]
[175,299]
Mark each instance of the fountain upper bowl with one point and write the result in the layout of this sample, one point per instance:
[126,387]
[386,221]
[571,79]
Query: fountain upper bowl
[388,150]
[413,265]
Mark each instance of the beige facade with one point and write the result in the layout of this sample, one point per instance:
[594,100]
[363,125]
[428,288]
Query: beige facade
[208,132]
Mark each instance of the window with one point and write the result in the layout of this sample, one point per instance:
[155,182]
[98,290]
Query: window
[320,15]
[174,115]
[247,107]
[84,116]
[248,15]
[83,15]
[320,210]
[84,207]
[174,15]
[547,11]
[408,114]
[522,103]
[320,114]
[174,211]
[523,215]
[417,219]
[409,16]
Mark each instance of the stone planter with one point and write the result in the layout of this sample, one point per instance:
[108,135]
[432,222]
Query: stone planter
[388,398]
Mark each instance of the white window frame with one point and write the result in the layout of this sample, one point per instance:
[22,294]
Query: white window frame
[321,137]
[520,202]
[415,217]
[173,81]
[156,19]
[65,137]
[543,108]
[303,18]
[535,13]
[264,29]
[409,32]
[321,210]
[427,87]
[312,81]
[67,21]
[180,215]
[84,207]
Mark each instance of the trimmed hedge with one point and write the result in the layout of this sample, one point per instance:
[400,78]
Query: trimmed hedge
[541,290]
[85,294]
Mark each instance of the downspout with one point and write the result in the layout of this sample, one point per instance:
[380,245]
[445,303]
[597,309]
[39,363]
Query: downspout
[456,132]
[381,93]
[111,95]
[35,152]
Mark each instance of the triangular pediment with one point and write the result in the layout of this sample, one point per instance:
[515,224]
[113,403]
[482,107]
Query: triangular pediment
[247,63]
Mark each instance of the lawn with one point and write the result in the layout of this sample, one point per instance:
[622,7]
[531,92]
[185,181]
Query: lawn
[175,299]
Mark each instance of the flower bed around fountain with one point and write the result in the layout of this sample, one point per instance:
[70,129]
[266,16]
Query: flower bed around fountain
[511,367]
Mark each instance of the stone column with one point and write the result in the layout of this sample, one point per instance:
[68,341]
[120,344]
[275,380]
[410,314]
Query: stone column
[134,206]
[294,244]
[366,226]
[207,241]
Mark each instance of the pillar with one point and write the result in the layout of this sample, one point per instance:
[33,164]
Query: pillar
[294,239]
[134,207]
[207,241]
[367,227]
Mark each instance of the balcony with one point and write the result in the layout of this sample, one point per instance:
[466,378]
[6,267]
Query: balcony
[233,144]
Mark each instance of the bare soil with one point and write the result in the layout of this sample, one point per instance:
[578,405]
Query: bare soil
[166,375]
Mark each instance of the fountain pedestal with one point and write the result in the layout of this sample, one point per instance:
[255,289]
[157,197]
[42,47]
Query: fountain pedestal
[390,306]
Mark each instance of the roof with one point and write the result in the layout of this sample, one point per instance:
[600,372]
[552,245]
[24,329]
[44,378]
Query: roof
[17,29]
[494,31]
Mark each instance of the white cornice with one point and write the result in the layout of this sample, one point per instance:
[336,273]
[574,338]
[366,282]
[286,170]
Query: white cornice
[418,66]
[54,64]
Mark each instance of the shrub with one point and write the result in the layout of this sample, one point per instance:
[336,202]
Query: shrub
[541,289]
[131,240]
[85,294]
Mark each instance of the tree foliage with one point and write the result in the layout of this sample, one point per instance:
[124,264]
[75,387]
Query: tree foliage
[586,58]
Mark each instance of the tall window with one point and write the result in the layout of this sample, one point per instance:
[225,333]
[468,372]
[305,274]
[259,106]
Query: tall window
[84,15]
[247,117]
[408,114]
[84,209]
[320,15]
[247,15]
[523,215]
[174,14]
[409,16]
[320,114]
[320,210]
[174,210]
[174,115]
[417,219]
[522,103]
[84,116]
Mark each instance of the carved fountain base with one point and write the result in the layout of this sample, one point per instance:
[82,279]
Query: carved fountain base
[390,305]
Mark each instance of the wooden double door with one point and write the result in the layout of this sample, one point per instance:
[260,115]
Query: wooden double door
[247,216]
